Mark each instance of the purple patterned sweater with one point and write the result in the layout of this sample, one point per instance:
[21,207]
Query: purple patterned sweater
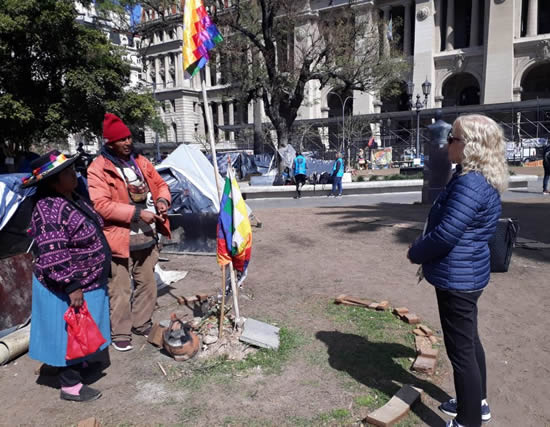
[72,250]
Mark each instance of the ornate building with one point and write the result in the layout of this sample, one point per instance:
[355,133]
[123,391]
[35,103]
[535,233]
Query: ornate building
[472,51]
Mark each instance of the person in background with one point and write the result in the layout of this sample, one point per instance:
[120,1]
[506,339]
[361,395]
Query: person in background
[337,174]
[299,167]
[133,200]
[72,266]
[361,164]
[455,257]
[546,165]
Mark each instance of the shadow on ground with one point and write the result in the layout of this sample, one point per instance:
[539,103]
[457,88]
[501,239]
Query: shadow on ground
[531,214]
[96,365]
[372,364]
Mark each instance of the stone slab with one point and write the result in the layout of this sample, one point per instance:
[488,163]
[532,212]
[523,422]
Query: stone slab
[260,334]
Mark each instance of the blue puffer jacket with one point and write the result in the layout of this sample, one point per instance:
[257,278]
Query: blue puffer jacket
[454,250]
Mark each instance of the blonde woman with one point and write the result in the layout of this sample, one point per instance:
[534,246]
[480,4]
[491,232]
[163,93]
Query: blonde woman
[455,257]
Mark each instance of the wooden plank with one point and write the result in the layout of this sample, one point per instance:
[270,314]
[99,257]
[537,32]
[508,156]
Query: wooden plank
[89,422]
[397,407]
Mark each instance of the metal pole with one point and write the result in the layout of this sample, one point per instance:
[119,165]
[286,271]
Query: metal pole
[418,133]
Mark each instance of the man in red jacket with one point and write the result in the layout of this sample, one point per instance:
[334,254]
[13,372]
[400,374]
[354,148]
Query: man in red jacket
[133,199]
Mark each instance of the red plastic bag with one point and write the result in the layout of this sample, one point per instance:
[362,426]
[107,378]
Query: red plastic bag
[84,337]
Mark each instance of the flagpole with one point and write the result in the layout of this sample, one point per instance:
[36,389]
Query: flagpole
[210,134]
[234,289]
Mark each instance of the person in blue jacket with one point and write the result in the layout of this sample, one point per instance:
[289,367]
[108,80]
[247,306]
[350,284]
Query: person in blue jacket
[337,174]
[455,257]
[300,173]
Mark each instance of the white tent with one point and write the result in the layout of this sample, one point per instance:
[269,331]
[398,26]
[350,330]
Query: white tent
[190,162]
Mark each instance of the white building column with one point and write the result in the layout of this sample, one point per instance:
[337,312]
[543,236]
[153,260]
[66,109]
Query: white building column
[499,53]
[167,76]
[407,30]
[450,40]
[474,27]
[158,78]
[423,47]
[231,114]
[362,101]
[532,18]
[437,35]
[221,134]
[517,23]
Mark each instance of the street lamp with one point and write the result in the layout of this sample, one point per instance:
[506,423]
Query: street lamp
[343,122]
[418,105]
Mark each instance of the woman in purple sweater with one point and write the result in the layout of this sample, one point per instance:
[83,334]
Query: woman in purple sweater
[72,266]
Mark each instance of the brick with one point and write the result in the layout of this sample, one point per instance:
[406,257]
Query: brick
[202,297]
[430,352]
[424,364]
[419,332]
[383,305]
[155,337]
[89,422]
[422,344]
[400,311]
[189,300]
[347,300]
[397,407]
[373,306]
[433,339]
[411,318]
[426,330]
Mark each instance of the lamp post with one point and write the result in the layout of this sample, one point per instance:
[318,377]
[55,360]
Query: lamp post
[418,105]
[343,102]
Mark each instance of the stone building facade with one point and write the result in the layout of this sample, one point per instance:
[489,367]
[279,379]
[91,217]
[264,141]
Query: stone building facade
[472,51]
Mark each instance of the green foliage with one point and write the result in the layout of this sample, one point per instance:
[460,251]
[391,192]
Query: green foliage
[58,77]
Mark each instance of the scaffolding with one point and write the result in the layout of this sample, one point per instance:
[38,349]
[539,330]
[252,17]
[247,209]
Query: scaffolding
[525,123]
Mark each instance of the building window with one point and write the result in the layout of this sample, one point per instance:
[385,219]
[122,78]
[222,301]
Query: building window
[173,104]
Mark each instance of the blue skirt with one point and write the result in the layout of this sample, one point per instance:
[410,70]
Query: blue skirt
[48,342]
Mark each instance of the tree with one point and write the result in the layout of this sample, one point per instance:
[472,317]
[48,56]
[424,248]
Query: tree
[288,49]
[58,77]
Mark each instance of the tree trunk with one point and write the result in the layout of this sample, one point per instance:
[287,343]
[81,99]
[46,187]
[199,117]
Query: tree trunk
[282,141]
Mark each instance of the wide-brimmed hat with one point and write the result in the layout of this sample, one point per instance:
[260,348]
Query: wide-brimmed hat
[48,165]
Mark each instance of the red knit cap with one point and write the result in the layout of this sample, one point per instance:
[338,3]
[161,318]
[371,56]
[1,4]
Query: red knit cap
[114,129]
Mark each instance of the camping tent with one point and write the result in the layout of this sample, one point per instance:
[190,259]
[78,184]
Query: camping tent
[195,203]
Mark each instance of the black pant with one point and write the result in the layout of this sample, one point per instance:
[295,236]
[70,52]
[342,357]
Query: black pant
[70,375]
[300,179]
[458,314]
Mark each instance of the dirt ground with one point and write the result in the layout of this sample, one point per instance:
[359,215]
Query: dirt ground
[302,259]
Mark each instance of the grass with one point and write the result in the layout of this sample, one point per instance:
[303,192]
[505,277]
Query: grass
[340,417]
[268,362]
[373,349]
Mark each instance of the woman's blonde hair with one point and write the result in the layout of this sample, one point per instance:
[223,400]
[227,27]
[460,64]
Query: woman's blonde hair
[484,149]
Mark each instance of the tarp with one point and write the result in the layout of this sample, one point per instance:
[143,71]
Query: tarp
[195,203]
[12,195]
[243,163]
[187,168]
